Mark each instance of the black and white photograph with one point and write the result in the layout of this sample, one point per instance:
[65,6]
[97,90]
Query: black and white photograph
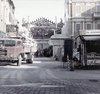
[49,46]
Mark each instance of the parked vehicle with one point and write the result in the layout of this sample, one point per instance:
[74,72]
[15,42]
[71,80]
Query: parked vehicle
[10,50]
[13,50]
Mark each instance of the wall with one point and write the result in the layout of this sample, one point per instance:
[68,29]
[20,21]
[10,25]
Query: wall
[58,46]
[2,16]
[5,10]
[10,18]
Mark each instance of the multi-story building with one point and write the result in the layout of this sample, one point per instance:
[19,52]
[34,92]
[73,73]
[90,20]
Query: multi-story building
[7,18]
[79,15]
[82,15]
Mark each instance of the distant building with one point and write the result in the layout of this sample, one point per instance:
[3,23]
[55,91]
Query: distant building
[42,29]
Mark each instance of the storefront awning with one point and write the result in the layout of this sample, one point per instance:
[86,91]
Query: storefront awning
[97,37]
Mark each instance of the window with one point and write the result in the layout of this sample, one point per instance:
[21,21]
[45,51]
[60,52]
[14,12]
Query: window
[1,42]
[97,7]
[18,43]
[78,9]
[77,28]
[9,43]
[10,17]
[98,26]
[88,26]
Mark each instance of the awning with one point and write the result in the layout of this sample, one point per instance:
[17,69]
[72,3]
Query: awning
[91,37]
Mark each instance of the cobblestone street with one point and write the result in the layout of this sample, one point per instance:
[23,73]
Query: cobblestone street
[53,87]
[46,76]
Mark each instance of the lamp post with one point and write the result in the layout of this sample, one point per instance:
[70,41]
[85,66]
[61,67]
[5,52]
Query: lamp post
[70,17]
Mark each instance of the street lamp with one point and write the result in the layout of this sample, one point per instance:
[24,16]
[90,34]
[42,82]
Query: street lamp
[69,32]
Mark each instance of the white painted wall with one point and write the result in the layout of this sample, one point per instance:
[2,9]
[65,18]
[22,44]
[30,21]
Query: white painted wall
[4,15]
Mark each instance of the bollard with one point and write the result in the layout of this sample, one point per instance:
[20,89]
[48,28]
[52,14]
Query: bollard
[71,66]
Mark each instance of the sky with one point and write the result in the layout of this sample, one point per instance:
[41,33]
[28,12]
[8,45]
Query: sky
[33,9]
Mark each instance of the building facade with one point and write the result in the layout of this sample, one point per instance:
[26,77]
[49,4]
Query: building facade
[79,15]
[82,15]
[2,16]
[7,17]
[42,29]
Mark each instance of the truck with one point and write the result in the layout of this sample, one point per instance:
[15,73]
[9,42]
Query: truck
[28,49]
[13,50]
[87,48]
[10,50]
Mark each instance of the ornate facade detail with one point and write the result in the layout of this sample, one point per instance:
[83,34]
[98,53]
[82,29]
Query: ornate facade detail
[42,28]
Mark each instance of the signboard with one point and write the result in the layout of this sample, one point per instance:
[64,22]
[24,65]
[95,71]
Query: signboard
[90,32]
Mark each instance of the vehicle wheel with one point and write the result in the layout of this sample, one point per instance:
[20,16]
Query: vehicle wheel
[19,60]
[32,58]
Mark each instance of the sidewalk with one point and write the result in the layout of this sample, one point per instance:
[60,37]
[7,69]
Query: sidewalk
[44,59]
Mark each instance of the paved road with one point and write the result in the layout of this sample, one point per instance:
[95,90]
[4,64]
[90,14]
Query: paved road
[46,76]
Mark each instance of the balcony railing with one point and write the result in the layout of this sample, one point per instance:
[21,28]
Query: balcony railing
[96,15]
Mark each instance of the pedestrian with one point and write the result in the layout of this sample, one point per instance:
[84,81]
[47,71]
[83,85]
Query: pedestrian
[55,57]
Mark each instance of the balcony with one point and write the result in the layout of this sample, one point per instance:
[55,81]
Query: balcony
[96,15]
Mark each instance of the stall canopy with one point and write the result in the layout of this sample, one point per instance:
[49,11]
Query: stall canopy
[90,34]
[91,37]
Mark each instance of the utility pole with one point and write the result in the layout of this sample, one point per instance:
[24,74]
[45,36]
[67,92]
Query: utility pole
[28,26]
[71,61]
[56,25]
[71,17]
[68,15]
